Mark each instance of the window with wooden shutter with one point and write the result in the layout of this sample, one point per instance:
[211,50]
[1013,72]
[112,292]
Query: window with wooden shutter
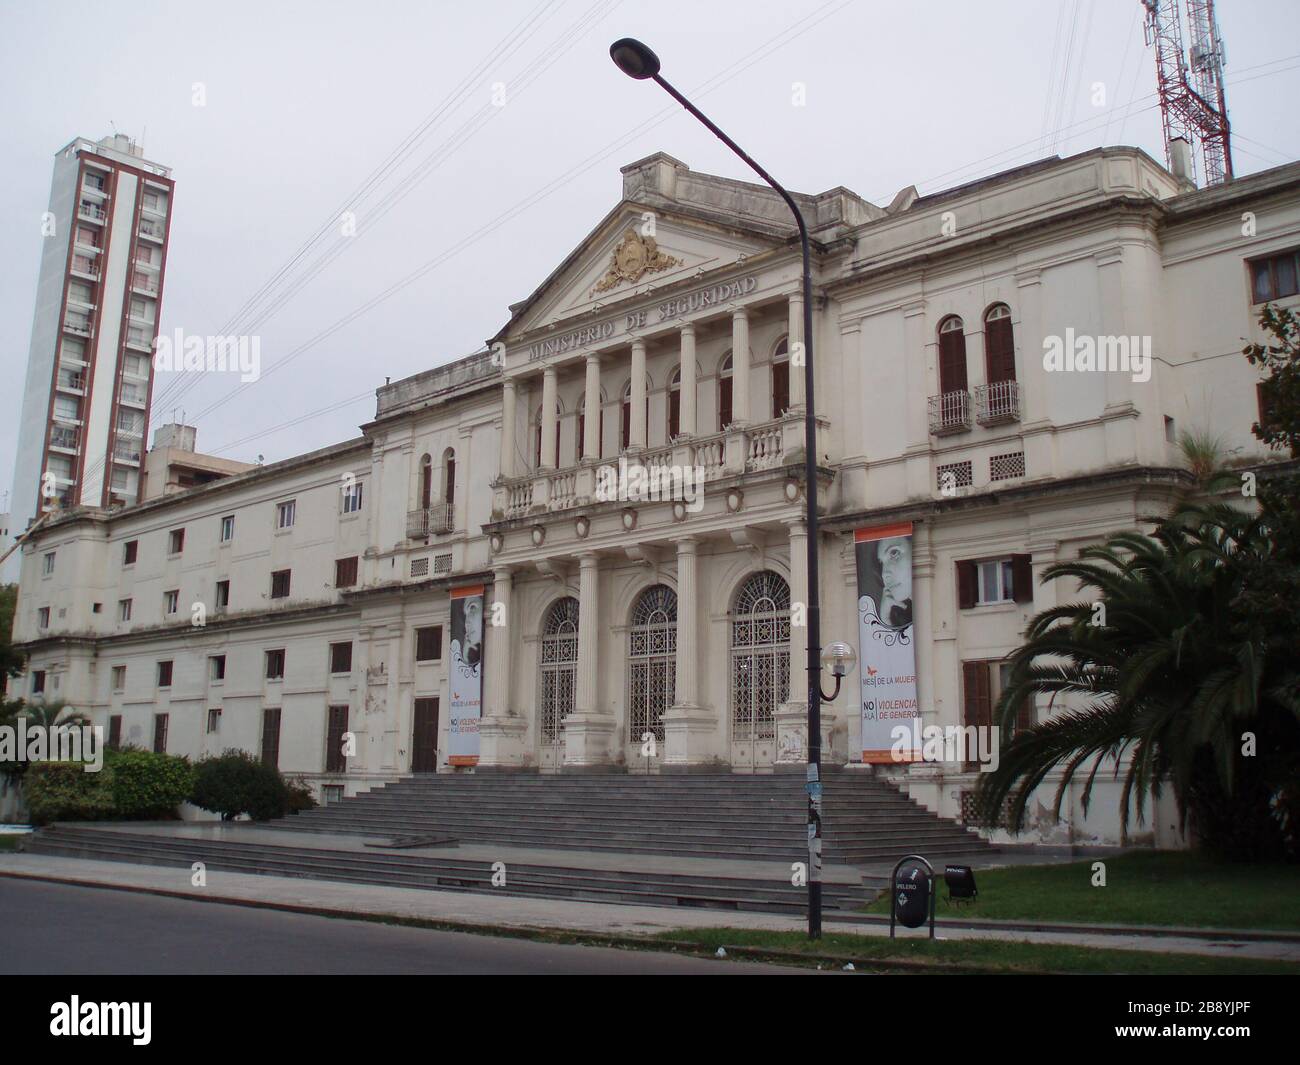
[999,345]
[977,700]
[115,731]
[1022,579]
[967,584]
[724,398]
[271,736]
[952,355]
[780,388]
[335,760]
[428,643]
[341,657]
[675,405]
[160,734]
[345,572]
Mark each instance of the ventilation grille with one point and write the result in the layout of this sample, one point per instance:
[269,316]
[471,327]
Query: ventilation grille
[419,567]
[442,563]
[1004,467]
[953,476]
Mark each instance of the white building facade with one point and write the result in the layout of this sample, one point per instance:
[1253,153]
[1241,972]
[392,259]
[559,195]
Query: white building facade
[304,609]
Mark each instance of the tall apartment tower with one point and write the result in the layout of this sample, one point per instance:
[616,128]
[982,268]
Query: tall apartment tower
[89,370]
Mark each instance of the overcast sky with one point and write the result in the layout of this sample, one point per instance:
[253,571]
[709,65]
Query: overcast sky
[303,102]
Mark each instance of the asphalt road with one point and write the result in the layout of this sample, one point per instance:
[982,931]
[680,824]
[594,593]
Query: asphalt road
[52,929]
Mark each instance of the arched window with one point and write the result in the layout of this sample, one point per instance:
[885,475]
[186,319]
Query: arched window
[999,345]
[781,378]
[952,355]
[724,393]
[537,441]
[559,663]
[449,482]
[652,662]
[598,443]
[675,404]
[426,482]
[626,416]
[760,657]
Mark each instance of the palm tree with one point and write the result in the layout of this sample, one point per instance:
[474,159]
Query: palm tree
[1165,674]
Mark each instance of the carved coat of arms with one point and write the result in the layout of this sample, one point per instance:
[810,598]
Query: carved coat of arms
[635,257]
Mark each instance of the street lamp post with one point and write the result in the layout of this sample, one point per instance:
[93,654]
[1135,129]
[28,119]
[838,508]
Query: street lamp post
[639,62]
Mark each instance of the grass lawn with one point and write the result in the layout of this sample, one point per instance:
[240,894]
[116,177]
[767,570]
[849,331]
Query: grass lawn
[990,956]
[9,841]
[1153,887]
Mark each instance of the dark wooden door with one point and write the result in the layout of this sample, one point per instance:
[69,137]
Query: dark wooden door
[424,741]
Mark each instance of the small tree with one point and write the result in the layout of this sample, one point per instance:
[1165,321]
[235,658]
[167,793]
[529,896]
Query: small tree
[235,783]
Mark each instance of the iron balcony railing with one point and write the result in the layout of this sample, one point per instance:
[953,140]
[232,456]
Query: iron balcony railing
[429,521]
[949,412]
[997,402]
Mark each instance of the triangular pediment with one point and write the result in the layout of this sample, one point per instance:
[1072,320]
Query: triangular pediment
[635,249]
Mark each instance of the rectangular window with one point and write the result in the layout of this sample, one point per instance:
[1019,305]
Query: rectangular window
[335,760]
[280,584]
[993,582]
[341,657]
[217,667]
[428,644]
[1276,277]
[124,610]
[271,736]
[332,793]
[1000,580]
[43,618]
[227,528]
[115,731]
[284,514]
[983,682]
[352,498]
[214,721]
[176,541]
[38,681]
[223,595]
[160,734]
[164,674]
[172,601]
[47,565]
[275,664]
[119,678]
[345,572]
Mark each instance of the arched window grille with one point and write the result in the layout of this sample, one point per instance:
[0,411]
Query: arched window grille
[760,656]
[652,662]
[559,661]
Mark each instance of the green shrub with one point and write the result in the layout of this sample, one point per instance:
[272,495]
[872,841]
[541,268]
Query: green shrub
[300,796]
[64,791]
[234,783]
[146,785]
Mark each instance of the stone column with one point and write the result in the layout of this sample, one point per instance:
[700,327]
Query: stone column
[796,337]
[588,729]
[500,733]
[549,414]
[507,458]
[591,410]
[688,726]
[792,715]
[740,366]
[687,420]
[637,435]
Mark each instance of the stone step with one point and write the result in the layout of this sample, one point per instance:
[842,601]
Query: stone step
[621,886]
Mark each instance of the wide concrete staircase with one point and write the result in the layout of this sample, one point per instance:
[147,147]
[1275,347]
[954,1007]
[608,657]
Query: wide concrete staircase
[752,827]
[713,815]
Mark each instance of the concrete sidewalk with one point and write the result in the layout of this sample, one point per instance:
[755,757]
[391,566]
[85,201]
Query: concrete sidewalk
[464,908]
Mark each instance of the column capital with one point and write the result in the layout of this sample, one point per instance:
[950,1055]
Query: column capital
[549,371]
[592,357]
[740,313]
[686,545]
[687,328]
[638,342]
[502,573]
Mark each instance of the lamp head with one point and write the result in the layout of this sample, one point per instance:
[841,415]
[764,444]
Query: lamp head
[839,658]
[634,59]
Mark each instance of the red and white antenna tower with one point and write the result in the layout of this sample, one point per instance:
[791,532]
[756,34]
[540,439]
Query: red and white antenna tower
[1190,85]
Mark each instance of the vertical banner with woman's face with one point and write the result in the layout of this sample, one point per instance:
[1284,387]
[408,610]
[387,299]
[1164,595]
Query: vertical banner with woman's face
[886,641]
[466,679]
